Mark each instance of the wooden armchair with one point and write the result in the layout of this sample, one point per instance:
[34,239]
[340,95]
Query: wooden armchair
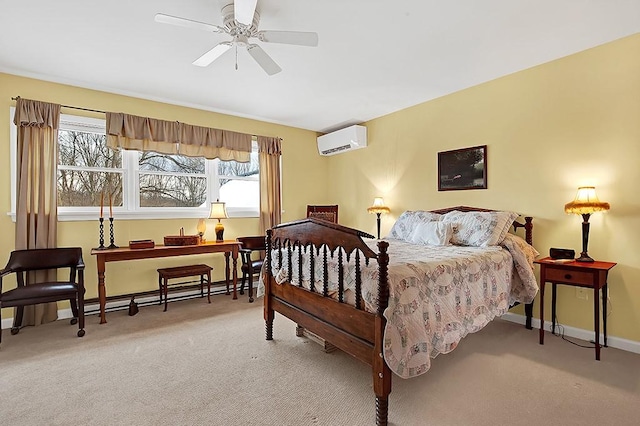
[22,262]
[250,264]
[328,213]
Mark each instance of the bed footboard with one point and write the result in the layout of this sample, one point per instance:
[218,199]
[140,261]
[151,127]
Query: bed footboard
[325,311]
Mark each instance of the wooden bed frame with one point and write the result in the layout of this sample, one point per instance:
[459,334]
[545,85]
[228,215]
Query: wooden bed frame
[350,328]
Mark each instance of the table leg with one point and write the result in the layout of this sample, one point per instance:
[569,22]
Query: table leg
[542,283]
[553,308]
[226,271]
[605,294]
[102,291]
[235,273]
[596,315]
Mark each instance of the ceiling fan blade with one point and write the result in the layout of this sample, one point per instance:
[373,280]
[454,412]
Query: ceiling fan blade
[188,23]
[264,60]
[212,54]
[289,37]
[244,10]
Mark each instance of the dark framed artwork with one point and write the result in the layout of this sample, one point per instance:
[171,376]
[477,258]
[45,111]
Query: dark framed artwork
[464,168]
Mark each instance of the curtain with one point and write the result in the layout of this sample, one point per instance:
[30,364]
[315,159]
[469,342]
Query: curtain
[142,134]
[196,141]
[269,152]
[171,137]
[36,201]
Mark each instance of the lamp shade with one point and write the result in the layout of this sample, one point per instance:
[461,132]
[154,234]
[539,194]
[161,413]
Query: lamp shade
[201,227]
[378,206]
[586,202]
[218,211]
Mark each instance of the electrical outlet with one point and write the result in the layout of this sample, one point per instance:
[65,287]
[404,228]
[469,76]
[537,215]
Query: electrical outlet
[582,293]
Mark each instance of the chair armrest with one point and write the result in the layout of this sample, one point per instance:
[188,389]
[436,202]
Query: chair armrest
[5,271]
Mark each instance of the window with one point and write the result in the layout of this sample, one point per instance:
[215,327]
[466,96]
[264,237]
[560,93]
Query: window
[143,184]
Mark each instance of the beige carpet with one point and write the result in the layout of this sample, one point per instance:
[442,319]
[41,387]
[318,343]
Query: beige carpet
[200,364]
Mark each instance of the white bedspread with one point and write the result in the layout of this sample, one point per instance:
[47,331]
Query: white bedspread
[438,295]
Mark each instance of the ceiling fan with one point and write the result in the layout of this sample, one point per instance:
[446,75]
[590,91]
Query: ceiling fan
[240,21]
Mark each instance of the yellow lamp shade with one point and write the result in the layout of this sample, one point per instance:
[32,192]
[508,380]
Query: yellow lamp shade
[586,202]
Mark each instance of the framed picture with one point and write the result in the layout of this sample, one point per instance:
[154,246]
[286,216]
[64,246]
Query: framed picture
[464,168]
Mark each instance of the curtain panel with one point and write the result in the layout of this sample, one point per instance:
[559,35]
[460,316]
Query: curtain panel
[269,152]
[171,137]
[36,200]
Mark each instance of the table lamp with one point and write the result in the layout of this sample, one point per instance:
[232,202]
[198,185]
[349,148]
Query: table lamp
[378,208]
[218,211]
[585,203]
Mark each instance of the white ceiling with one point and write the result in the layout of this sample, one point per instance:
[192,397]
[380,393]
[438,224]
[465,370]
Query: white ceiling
[374,57]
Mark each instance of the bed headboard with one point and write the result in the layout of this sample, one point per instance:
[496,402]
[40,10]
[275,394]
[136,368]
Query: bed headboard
[527,225]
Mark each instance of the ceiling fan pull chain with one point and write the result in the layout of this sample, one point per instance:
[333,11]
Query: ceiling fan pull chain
[236,57]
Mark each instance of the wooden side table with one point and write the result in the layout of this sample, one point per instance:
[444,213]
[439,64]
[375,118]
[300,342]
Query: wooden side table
[579,274]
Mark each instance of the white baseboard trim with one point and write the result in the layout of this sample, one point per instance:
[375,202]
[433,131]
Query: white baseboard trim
[93,309]
[578,333]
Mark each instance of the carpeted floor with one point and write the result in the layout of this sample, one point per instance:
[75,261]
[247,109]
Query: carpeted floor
[201,364]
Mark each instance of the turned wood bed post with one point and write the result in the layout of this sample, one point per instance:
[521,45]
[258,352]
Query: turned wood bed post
[381,372]
[528,237]
[268,310]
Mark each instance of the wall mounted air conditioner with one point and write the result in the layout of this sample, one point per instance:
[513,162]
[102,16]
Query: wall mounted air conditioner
[343,140]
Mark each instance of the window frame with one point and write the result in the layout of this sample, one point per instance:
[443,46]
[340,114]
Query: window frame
[130,176]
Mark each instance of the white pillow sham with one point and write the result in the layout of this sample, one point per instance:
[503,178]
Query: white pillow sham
[406,223]
[479,229]
[435,233]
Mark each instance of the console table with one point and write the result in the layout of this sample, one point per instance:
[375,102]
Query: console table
[228,247]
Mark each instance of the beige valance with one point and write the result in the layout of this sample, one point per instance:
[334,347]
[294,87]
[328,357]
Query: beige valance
[30,113]
[171,137]
[197,141]
[269,145]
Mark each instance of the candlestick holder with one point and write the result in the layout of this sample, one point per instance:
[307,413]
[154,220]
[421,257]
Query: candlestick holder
[111,239]
[101,246]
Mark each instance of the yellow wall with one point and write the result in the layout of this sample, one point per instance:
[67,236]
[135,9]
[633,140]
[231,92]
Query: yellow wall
[549,129]
[300,158]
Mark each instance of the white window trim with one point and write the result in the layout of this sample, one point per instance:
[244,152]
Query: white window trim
[133,213]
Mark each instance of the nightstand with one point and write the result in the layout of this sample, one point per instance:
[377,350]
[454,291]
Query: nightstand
[579,274]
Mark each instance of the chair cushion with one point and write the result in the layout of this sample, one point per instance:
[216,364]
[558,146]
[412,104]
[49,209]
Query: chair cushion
[49,290]
[255,264]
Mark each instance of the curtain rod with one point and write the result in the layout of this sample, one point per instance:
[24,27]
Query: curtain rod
[70,106]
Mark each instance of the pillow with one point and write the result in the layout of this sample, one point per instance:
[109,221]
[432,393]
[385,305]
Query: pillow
[407,222]
[433,233]
[479,229]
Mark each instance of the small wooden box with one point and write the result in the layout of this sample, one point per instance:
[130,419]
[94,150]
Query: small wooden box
[181,240]
[141,244]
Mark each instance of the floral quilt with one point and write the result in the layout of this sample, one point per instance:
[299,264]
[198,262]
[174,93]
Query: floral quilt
[438,294]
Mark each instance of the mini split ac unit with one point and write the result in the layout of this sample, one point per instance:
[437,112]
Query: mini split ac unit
[342,140]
